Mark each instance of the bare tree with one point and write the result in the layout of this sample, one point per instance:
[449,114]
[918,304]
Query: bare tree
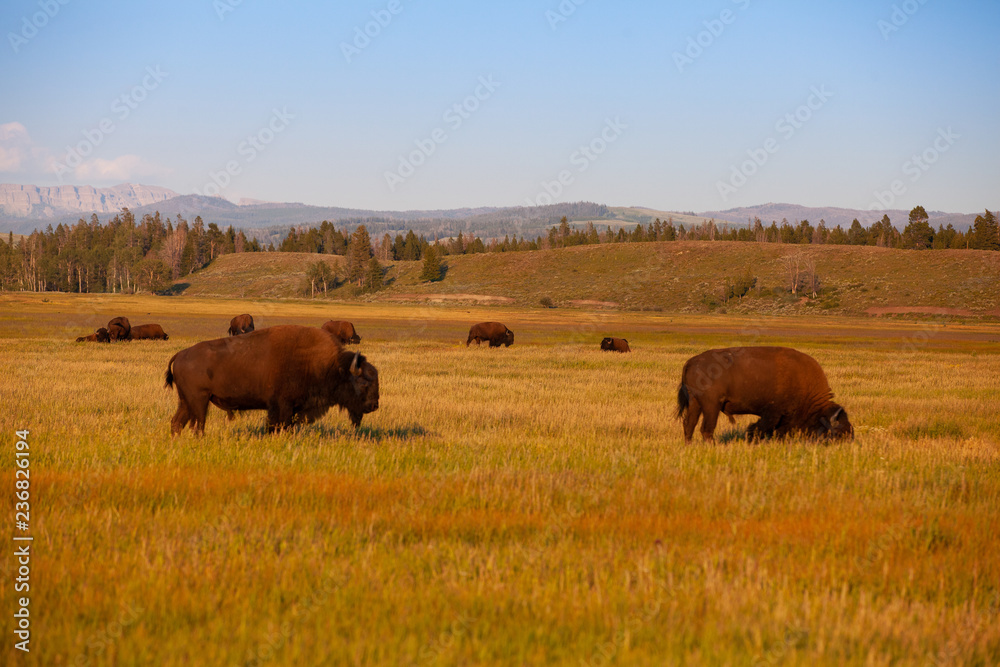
[793,269]
[173,250]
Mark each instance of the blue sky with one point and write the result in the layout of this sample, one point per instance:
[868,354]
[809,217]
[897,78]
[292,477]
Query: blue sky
[676,106]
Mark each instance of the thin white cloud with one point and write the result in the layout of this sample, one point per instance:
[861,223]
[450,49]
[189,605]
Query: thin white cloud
[16,148]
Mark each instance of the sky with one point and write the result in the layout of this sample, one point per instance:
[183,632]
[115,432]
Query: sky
[430,104]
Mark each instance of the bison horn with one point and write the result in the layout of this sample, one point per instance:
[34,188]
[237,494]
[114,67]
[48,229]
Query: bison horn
[836,414]
[355,371]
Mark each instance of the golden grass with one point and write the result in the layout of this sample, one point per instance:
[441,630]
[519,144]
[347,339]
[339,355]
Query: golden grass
[530,505]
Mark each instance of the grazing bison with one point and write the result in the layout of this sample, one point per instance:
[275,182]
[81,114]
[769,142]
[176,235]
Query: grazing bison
[494,332]
[784,387]
[342,331]
[119,329]
[99,336]
[148,332]
[610,344]
[240,324]
[295,373]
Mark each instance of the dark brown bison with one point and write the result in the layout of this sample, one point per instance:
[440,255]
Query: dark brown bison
[610,344]
[494,332]
[148,332]
[119,329]
[784,387]
[99,336]
[240,324]
[342,331]
[295,373]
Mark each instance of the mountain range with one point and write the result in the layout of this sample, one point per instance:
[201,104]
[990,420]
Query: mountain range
[24,208]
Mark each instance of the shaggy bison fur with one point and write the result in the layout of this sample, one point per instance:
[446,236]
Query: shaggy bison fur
[342,331]
[240,324]
[784,387]
[610,344]
[497,334]
[295,373]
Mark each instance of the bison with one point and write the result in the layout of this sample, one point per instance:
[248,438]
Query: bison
[148,332]
[342,331]
[119,329]
[99,336]
[494,332]
[784,387]
[610,344]
[295,373]
[240,324]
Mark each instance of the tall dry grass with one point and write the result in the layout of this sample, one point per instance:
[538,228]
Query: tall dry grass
[530,505]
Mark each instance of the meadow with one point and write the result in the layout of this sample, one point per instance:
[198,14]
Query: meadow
[528,505]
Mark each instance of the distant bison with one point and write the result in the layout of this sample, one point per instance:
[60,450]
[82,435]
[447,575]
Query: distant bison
[119,329]
[494,332]
[295,373]
[342,331]
[99,336]
[148,332]
[610,344]
[785,388]
[240,324]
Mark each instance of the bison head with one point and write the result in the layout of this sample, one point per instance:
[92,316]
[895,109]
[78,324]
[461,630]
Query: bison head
[607,343]
[508,338]
[102,335]
[832,423]
[358,393]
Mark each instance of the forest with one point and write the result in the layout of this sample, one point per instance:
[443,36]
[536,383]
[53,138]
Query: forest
[129,256]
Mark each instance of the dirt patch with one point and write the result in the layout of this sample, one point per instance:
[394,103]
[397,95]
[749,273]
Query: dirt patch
[921,310]
[483,298]
[588,302]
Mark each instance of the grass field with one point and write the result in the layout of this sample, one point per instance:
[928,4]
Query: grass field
[530,505]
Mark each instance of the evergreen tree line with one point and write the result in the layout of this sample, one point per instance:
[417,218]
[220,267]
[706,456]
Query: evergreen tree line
[129,256]
[121,256]
[918,234]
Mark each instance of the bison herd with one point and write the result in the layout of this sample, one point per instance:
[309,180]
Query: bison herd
[298,373]
[119,329]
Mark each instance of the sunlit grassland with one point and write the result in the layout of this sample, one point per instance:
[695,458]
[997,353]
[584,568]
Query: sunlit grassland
[526,505]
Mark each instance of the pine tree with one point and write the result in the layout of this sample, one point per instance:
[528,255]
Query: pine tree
[358,253]
[374,276]
[985,232]
[432,266]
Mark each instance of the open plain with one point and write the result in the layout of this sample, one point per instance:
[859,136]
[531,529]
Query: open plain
[525,505]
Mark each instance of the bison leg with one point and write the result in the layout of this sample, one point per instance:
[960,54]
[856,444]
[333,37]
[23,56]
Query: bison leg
[710,416]
[180,418]
[691,418]
[763,428]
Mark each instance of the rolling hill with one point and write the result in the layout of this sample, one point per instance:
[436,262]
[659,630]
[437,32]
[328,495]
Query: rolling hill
[686,276]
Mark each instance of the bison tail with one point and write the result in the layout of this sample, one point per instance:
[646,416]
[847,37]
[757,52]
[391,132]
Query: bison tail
[170,373]
[682,400]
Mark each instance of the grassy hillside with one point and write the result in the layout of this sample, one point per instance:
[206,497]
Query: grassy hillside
[673,277]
